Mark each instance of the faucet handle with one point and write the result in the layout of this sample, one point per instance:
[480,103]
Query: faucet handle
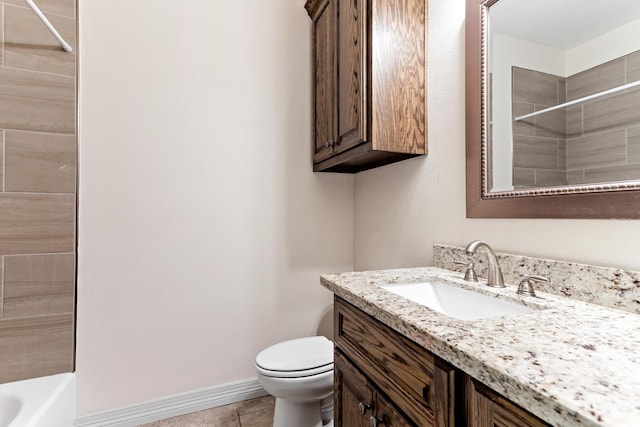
[470,275]
[526,285]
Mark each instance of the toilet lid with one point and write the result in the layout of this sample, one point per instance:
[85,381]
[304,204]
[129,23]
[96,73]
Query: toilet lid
[300,354]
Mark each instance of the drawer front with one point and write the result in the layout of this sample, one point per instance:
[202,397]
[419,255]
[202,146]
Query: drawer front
[405,372]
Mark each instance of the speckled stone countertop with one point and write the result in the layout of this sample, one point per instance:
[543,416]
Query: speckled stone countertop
[569,362]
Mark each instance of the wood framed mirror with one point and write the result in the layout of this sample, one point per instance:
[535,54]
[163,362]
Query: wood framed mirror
[576,193]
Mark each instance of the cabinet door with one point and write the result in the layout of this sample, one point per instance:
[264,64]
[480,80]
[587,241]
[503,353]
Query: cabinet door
[353,397]
[352,73]
[387,415]
[324,38]
[406,373]
[489,409]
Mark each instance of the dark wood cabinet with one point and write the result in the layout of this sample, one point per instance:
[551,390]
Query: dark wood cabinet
[409,385]
[358,402]
[487,408]
[369,63]
[382,378]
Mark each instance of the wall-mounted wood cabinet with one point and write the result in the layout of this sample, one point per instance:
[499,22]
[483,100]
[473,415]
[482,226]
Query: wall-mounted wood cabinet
[369,82]
[384,379]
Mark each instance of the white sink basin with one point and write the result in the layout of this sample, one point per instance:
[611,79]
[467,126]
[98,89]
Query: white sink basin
[456,302]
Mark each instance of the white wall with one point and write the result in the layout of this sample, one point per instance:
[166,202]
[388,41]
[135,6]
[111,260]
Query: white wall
[401,210]
[508,52]
[609,46]
[202,230]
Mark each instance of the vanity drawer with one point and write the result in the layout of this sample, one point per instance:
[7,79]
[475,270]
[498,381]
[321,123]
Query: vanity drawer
[419,384]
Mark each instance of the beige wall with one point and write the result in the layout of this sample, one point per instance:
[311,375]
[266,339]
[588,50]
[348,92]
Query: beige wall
[37,190]
[402,209]
[202,230]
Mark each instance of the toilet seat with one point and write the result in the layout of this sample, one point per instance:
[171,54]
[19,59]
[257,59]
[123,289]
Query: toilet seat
[296,358]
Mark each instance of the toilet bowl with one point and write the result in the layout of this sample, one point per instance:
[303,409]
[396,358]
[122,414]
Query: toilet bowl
[299,374]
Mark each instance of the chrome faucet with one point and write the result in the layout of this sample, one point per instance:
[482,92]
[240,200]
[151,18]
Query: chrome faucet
[494,276]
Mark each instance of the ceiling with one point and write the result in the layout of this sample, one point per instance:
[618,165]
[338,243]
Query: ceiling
[562,24]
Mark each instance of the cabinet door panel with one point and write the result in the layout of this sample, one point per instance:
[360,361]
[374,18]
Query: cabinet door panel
[398,75]
[396,365]
[493,410]
[324,84]
[353,398]
[352,73]
[389,415]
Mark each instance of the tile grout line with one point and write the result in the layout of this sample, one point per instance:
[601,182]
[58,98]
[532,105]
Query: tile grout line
[69,76]
[44,11]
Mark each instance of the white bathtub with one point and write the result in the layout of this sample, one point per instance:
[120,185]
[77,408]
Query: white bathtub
[39,402]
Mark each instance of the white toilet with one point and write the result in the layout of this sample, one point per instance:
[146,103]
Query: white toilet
[299,374]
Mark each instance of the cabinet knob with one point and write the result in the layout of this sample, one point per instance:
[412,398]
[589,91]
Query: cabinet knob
[330,144]
[363,407]
[376,422]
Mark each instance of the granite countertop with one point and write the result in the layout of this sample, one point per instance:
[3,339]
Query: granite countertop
[569,362]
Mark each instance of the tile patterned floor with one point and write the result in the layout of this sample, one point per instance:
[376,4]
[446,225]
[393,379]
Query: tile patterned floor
[250,413]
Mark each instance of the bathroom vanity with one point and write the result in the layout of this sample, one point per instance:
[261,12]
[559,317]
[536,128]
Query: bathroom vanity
[373,361]
[566,363]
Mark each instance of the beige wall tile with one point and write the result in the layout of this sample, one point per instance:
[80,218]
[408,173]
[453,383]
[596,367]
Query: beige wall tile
[552,124]
[30,45]
[1,34]
[534,87]
[38,284]
[59,7]
[575,177]
[603,150]
[39,346]
[37,101]
[562,154]
[612,113]
[597,79]
[535,152]
[40,162]
[611,174]
[37,155]
[633,67]
[526,126]
[2,142]
[574,121]
[36,223]
[550,178]
[1,290]
[523,177]
[633,145]
[562,90]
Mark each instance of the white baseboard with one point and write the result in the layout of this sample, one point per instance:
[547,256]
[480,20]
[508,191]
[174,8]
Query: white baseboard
[172,406]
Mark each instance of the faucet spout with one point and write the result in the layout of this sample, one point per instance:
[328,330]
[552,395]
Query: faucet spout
[494,276]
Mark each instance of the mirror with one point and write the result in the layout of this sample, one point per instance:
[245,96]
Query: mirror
[553,108]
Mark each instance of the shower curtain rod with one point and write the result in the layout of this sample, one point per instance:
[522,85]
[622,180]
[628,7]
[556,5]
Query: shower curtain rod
[51,28]
[579,100]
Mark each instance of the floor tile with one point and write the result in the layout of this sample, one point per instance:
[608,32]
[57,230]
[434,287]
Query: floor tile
[250,413]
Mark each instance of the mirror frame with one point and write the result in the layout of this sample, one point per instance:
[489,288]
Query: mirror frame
[609,202]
